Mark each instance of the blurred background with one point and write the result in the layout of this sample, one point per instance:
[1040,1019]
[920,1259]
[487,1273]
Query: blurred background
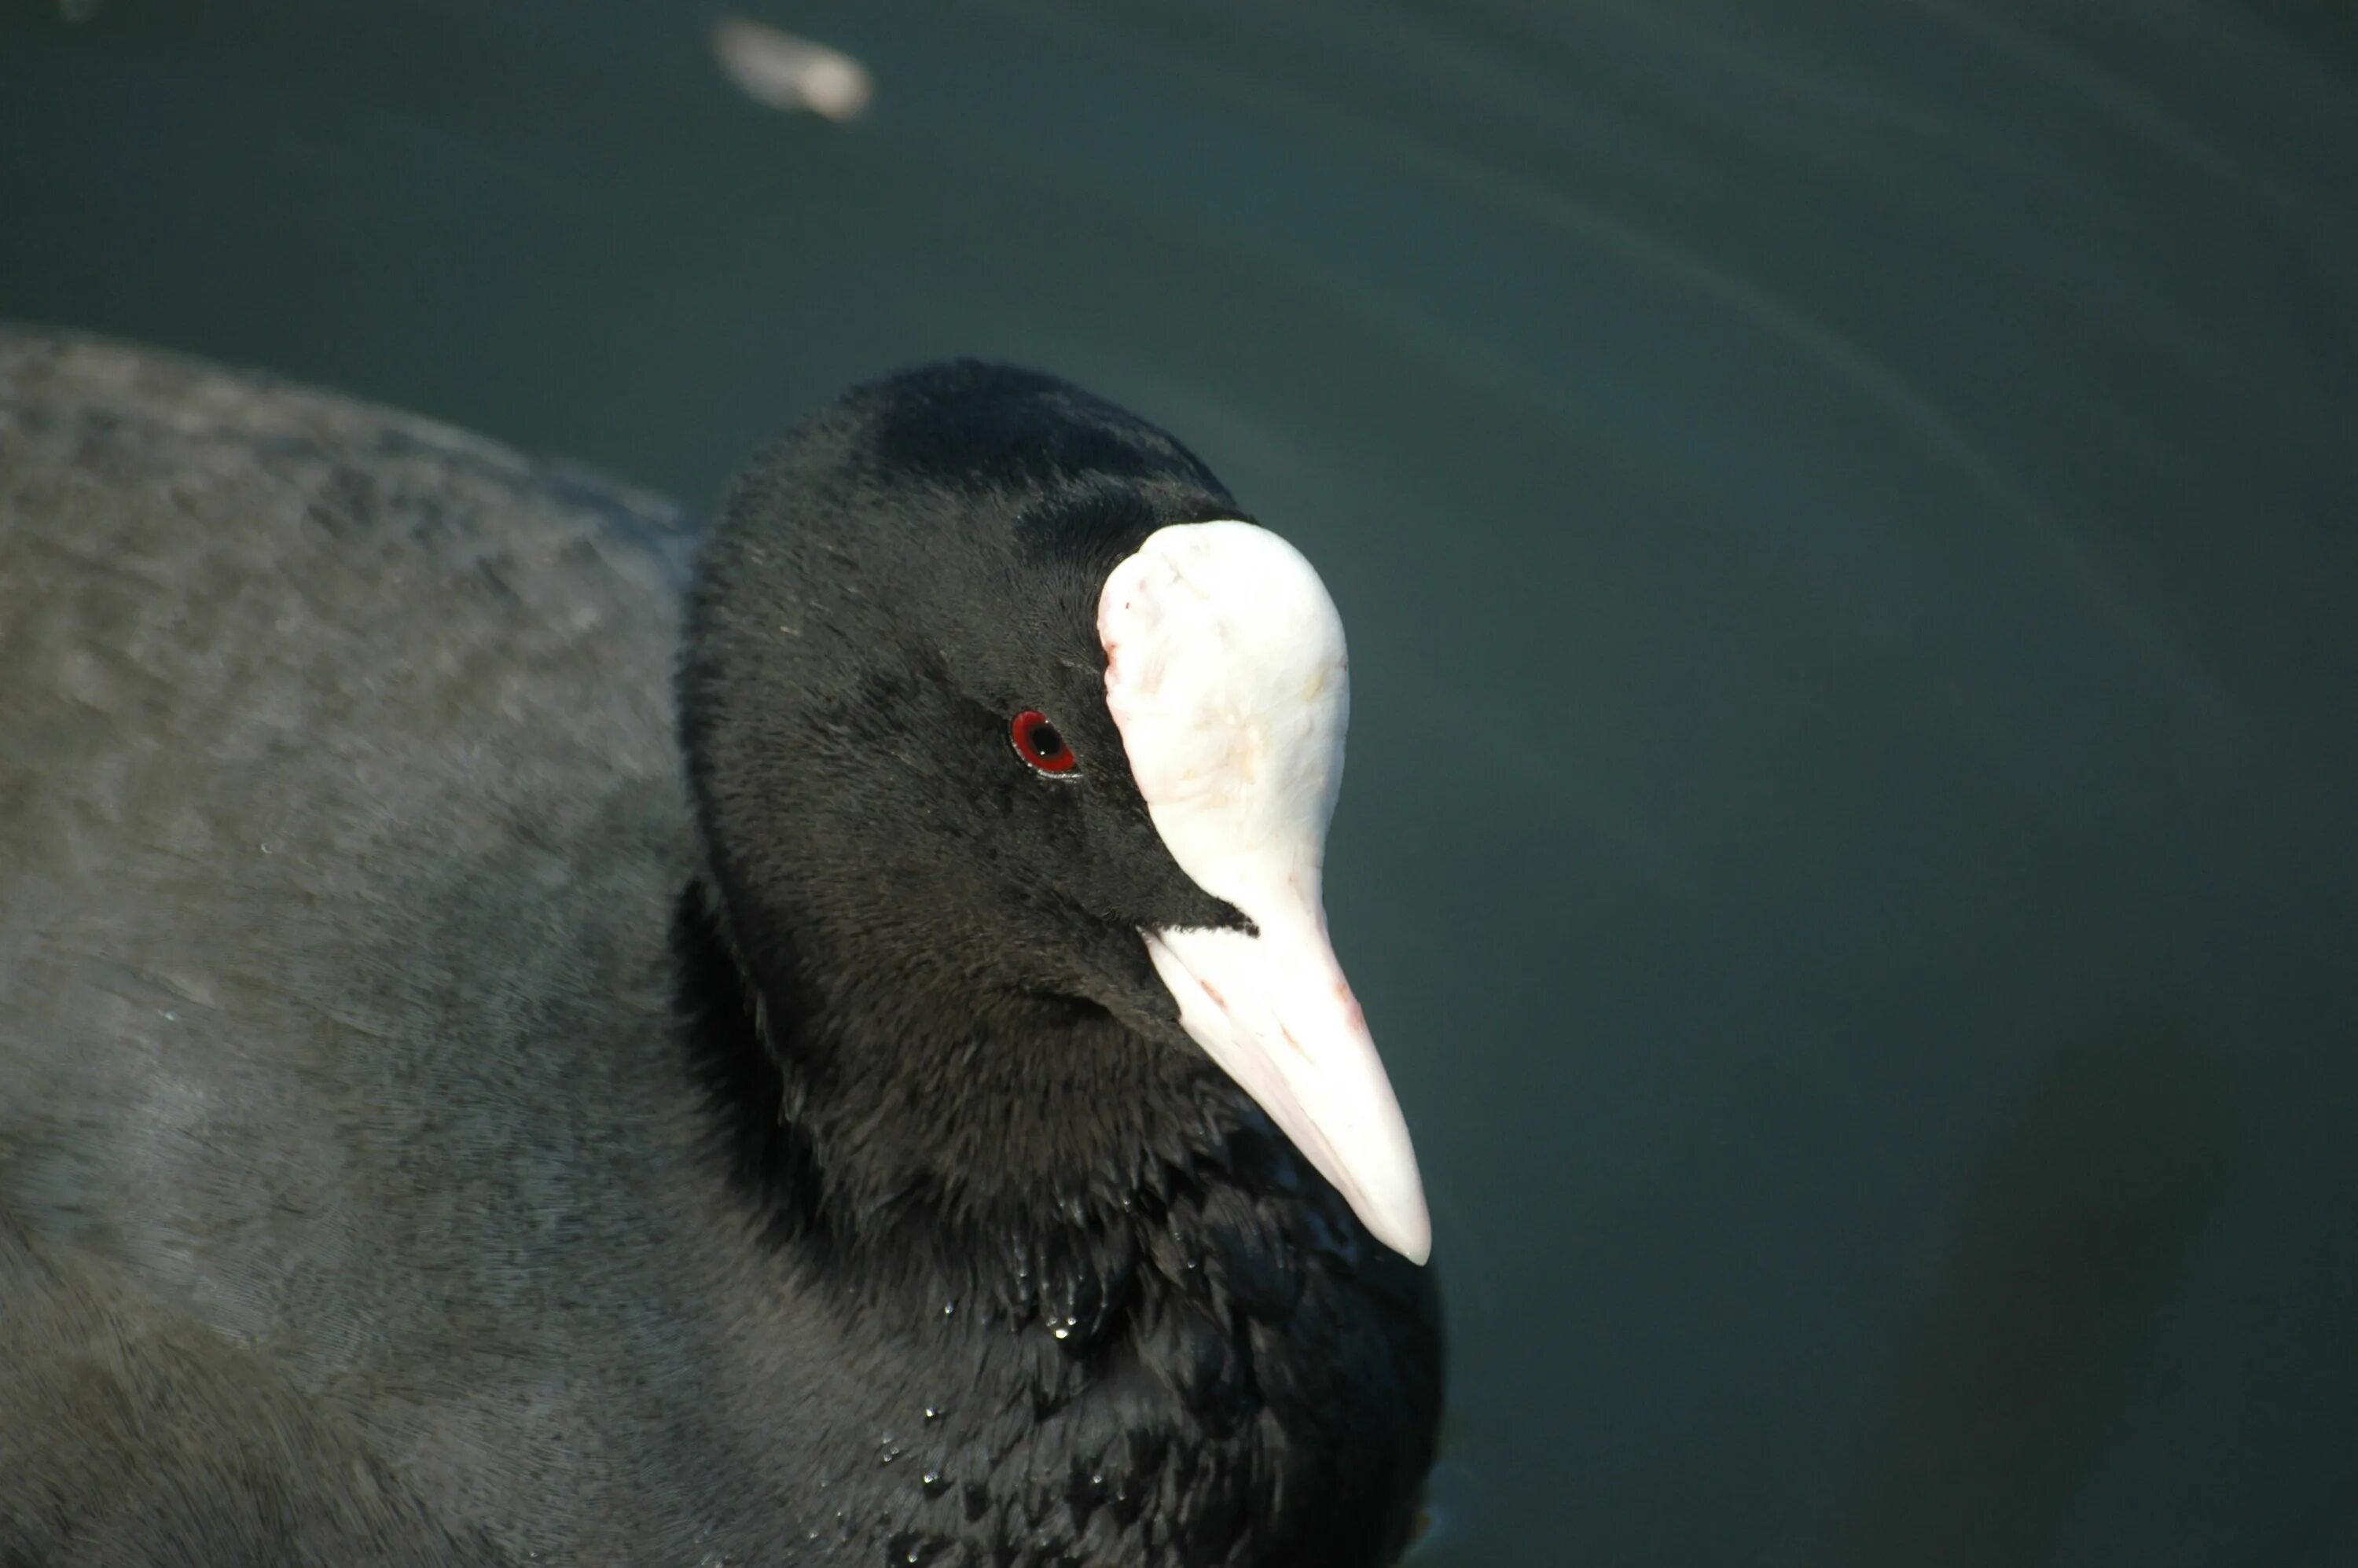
[1848,513]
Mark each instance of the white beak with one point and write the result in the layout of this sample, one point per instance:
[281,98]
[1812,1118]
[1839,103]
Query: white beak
[1226,676]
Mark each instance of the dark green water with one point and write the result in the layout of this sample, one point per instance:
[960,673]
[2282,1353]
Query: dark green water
[1847,513]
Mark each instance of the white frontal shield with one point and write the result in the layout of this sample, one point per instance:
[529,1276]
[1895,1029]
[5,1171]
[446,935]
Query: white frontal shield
[1226,676]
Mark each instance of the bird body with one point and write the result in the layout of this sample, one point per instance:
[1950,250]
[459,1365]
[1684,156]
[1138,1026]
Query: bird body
[638,1158]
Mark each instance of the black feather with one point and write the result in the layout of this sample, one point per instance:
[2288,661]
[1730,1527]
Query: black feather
[786,1157]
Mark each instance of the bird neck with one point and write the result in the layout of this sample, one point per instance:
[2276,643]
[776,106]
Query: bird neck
[1024,1154]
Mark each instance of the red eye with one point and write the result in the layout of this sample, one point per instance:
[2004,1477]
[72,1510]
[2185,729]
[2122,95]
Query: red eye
[1038,743]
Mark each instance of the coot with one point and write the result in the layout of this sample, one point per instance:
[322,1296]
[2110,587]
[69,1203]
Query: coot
[894,1102]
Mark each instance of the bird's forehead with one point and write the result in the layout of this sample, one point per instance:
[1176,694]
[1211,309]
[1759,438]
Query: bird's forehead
[1227,675]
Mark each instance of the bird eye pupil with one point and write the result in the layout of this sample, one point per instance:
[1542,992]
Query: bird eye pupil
[1046,740]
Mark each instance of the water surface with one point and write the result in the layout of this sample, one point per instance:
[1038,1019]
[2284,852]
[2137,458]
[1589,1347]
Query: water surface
[1845,510]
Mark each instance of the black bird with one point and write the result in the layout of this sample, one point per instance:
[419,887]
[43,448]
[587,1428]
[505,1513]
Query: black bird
[896,1104]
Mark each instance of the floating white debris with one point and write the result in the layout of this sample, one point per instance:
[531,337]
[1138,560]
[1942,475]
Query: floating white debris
[790,74]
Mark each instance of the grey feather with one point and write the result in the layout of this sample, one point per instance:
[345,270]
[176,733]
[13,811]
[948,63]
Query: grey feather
[227,608]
